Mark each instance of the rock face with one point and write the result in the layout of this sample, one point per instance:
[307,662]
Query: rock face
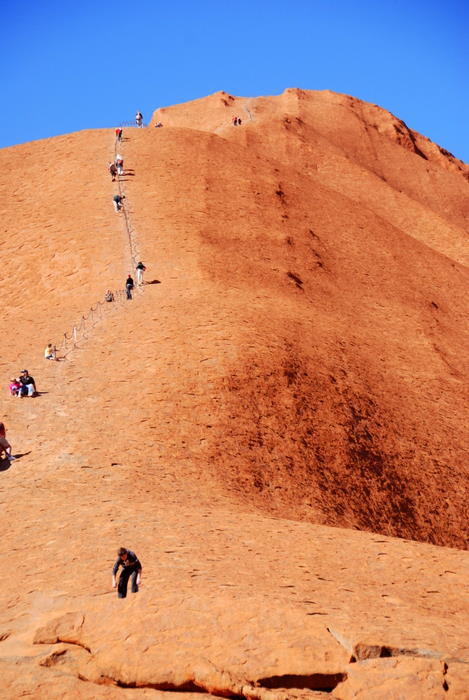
[341,253]
[298,362]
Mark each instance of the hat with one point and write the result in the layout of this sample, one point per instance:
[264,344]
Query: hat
[23,371]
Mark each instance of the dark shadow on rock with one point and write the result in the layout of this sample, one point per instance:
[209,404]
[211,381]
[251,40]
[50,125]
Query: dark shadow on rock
[4,465]
[153,282]
[21,454]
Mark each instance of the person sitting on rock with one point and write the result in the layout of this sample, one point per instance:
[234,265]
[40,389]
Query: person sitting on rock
[28,385]
[50,353]
[131,567]
[15,386]
[109,296]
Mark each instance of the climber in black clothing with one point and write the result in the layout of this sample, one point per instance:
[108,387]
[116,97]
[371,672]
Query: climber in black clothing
[130,567]
[129,285]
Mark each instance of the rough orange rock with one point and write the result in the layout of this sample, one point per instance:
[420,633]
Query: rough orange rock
[299,361]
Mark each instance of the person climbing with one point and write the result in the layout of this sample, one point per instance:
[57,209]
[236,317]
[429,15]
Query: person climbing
[131,567]
[28,385]
[109,296]
[139,119]
[50,353]
[234,120]
[4,444]
[239,121]
[129,285]
[118,134]
[15,386]
[140,270]
[119,161]
[113,170]
[117,199]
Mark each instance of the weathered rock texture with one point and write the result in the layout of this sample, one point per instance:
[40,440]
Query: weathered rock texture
[301,364]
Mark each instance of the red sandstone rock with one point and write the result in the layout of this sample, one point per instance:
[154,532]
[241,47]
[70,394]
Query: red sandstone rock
[301,364]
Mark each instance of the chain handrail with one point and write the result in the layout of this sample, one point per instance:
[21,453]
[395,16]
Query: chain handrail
[78,332]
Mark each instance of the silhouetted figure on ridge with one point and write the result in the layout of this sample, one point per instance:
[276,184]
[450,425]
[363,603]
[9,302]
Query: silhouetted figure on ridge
[139,119]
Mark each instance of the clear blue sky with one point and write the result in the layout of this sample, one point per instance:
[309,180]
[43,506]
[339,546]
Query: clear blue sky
[68,65]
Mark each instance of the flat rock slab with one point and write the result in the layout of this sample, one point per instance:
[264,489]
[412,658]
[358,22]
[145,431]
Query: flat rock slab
[248,647]
[222,645]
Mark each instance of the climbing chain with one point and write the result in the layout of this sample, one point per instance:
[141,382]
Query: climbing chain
[102,309]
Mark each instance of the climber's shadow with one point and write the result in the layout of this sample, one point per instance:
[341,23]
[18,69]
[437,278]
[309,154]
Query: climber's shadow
[153,282]
[4,465]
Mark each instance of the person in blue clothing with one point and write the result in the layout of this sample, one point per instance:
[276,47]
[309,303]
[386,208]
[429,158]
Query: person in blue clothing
[131,567]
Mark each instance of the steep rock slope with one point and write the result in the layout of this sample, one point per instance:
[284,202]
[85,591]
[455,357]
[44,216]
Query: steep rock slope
[343,255]
[302,357]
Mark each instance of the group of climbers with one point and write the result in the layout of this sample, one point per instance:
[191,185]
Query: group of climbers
[25,385]
[129,282]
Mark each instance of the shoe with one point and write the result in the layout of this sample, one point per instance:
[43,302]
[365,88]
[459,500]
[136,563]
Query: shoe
[11,458]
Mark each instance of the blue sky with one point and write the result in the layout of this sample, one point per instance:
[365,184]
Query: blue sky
[68,66]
